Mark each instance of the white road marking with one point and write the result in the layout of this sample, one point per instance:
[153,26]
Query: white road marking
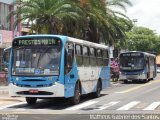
[6,106]
[129,105]
[152,106]
[20,109]
[76,107]
[107,105]
[136,87]
[120,92]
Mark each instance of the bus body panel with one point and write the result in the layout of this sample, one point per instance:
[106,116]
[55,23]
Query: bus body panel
[88,77]
[56,90]
[70,81]
[148,71]
[105,77]
[45,84]
[64,84]
[132,75]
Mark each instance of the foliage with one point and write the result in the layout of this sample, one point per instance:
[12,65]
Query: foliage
[143,39]
[93,20]
[114,65]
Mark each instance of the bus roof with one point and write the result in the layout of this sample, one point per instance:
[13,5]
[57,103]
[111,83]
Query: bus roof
[83,42]
[145,53]
[71,39]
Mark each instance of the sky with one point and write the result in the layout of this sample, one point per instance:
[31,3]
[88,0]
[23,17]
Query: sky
[7,1]
[147,13]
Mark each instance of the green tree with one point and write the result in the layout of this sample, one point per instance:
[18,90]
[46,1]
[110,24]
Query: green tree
[143,39]
[104,22]
[48,16]
[93,20]
[118,20]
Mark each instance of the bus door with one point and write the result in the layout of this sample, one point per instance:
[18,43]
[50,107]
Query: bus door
[155,68]
[148,67]
[69,70]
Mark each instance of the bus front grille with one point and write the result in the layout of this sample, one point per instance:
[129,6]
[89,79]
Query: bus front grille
[39,93]
[38,85]
[33,80]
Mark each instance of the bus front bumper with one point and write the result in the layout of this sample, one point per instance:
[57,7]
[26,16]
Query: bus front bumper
[132,77]
[56,90]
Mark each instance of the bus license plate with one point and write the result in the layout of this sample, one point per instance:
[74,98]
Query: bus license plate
[33,91]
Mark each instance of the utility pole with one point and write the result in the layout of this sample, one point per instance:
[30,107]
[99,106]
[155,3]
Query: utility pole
[135,21]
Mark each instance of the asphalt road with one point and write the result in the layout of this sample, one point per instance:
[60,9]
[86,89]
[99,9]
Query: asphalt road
[125,100]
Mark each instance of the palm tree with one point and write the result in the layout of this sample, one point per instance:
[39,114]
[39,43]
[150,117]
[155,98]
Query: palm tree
[101,22]
[47,16]
[93,20]
[118,21]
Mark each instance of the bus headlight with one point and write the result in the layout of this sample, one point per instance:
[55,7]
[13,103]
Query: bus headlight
[14,83]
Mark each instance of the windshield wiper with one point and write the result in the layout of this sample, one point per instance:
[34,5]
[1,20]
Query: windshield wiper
[42,53]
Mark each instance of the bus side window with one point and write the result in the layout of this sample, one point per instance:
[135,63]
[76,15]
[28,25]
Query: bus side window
[85,56]
[78,55]
[70,58]
[105,58]
[69,55]
[92,56]
[99,57]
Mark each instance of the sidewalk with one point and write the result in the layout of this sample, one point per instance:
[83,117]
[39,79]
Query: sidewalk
[5,98]
[4,90]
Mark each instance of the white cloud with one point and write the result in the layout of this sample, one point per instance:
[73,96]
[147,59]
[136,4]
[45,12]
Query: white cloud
[147,13]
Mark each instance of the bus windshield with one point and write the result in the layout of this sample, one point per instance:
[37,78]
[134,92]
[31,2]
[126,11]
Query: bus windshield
[36,61]
[34,57]
[131,62]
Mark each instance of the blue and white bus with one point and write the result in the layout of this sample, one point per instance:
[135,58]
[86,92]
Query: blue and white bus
[46,66]
[135,65]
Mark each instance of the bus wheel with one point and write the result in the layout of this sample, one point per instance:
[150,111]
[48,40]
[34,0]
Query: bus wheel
[76,98]
[31,100]
[125,81]
[98,90]
[145,80]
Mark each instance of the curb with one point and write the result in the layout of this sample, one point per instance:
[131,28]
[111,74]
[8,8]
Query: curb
[4,92]
[10,99]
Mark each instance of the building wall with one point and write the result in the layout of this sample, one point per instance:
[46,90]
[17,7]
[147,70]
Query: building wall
[5,28]
[158,59]
[5,9]
[6,38]
[5,25]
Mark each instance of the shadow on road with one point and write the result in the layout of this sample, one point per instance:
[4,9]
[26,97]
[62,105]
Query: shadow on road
[54,103]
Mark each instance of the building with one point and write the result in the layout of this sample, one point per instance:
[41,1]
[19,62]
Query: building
[158,60]
[5,25]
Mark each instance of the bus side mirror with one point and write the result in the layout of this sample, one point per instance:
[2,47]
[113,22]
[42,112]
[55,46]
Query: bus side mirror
[5,59]
[6,69]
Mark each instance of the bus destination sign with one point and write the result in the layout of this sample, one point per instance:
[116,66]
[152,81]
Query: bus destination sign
[35,42]
[131,54]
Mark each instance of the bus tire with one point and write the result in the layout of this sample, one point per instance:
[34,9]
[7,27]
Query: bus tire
[31,100]
[145,80]
[125,81]
[98,90]
[76,98]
